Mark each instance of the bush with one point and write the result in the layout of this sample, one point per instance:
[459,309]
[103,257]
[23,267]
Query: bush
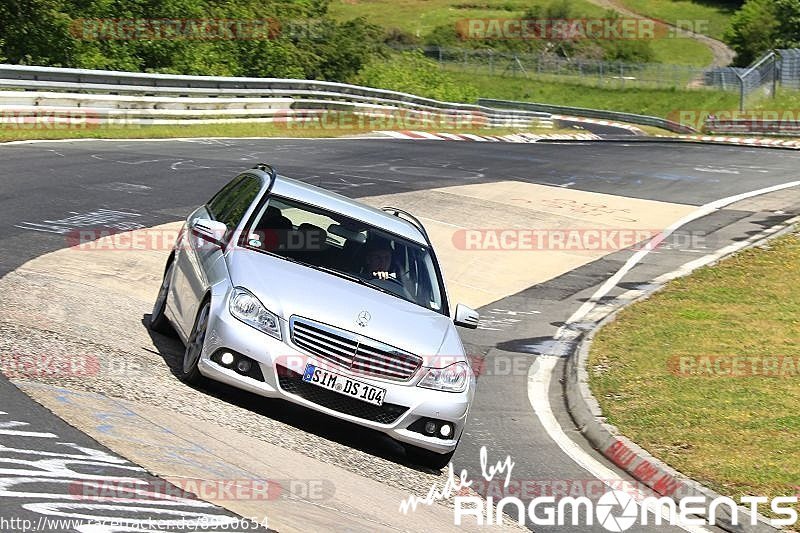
[309,44]
[752,30]
[411,72]
[761,25]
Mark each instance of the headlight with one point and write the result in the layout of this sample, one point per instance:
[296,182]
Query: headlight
[452,378]
[246,307]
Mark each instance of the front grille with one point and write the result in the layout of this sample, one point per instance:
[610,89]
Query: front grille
[351,351]
[293,383]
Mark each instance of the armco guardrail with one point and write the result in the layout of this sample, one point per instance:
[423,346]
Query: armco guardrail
[643,120]
[70,88]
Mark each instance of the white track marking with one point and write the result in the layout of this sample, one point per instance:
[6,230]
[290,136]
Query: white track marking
[396,135]
[541,372]
[427,135]
[700,212]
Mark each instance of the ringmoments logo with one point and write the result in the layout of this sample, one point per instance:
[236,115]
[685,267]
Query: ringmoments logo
[615,510]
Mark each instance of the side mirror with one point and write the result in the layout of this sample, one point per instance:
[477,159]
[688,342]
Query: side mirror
[209,230]
[466,317]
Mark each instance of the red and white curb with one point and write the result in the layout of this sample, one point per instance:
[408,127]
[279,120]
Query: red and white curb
[512,138]
[743,141]
[632,129]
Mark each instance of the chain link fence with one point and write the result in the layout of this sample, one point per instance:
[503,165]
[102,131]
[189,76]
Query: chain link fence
[544,66]
[761,79]
[776,68]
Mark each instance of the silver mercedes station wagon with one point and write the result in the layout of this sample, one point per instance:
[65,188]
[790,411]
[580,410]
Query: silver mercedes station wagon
[290,291]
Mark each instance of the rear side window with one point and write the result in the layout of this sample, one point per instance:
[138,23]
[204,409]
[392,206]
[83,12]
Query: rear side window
[230,204]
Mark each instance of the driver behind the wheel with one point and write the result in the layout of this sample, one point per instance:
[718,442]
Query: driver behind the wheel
[378,259]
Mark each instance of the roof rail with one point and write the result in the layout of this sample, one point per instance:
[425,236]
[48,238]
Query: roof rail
[264,167]
[410,218]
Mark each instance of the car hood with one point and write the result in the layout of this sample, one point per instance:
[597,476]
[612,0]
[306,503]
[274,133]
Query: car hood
[288,289]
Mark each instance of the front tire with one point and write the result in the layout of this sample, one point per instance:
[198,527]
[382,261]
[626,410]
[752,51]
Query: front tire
[189,373]
[158,318]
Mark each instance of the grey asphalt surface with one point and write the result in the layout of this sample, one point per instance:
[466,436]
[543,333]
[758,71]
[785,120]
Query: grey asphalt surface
[43,459]
[600,129]
[44,184]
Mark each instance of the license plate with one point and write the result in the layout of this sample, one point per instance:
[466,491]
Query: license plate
[343,385]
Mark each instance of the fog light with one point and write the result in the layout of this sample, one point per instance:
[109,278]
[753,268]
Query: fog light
[445,430]
[243,366]
[430,427]
[226,358]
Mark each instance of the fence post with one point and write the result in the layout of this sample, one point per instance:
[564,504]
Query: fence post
[741,92]
[776,66]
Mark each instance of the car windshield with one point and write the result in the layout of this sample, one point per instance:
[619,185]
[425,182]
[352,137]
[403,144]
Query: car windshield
[346,247]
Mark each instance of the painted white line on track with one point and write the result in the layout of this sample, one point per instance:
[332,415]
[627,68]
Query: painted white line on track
[474,137]
[15,433]
[541,372]
[425,135]
[396,135]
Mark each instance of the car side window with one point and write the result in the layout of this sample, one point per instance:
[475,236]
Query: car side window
[231,203]
[245,194]
[221,201]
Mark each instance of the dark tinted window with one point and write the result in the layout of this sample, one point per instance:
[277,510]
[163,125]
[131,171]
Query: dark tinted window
[244,196]
[231,203]
[222,201]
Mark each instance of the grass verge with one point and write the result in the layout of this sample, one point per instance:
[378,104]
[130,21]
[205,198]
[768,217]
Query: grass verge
[421,17]
[733,431]
[656,102]
[707,17]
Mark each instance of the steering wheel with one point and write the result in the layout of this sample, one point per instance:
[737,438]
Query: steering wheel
[377,280]
[391,284]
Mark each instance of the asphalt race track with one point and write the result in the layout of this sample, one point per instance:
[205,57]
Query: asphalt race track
[47,185]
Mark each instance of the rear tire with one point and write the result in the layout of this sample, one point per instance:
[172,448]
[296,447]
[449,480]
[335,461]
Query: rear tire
[189,373]
[427,458]
[158,319]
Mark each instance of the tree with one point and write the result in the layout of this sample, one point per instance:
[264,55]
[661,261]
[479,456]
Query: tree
[788,16]
[306,43]
[35,32]
[761,25]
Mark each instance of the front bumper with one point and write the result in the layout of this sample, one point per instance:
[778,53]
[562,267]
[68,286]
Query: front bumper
[282,366]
